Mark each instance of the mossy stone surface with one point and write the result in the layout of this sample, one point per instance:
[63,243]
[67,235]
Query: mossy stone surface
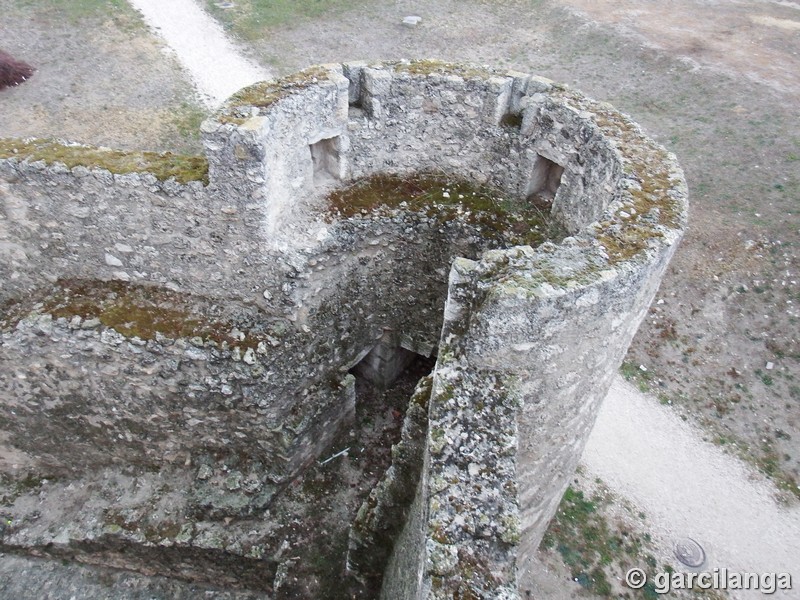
[163,165]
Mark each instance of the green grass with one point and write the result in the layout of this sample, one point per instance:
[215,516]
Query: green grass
[75,11]
[765,458]
[187,122]
[598,550]
[765,378]
[634,374]
[252,19]
[594,549]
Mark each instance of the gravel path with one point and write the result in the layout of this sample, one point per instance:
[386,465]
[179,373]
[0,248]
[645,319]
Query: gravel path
[690,488]
[212,61]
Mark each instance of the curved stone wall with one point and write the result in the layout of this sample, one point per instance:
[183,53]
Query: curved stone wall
[288,294]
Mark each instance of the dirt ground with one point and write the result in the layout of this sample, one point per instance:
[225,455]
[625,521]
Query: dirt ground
[754,38]
[715,81]
[101,78]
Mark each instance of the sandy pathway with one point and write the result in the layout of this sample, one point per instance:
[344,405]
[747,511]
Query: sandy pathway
[214,64]
[689,487]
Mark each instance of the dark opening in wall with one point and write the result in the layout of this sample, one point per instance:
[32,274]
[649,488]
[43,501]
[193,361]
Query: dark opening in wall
[385,363]
[355,103]
[326,160]
[356,111]
[511,121]
[381,415]
[355,88]
[544,181]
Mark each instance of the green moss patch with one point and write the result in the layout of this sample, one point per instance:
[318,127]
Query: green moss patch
[438,67]
[264,94]
[647,162]
[649,166]
[163,166]
[130,309]
[503,220]
[12,488]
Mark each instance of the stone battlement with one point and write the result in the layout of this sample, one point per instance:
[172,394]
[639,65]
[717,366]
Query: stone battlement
[207,318]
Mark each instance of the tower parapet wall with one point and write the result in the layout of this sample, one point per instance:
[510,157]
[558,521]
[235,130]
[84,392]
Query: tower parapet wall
[286,292]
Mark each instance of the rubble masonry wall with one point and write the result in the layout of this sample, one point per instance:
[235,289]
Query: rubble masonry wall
[527,343]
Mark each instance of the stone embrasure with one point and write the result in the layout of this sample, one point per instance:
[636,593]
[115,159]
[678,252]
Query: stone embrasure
[185,349]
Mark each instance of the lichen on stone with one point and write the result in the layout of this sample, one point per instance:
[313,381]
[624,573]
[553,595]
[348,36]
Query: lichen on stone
[260,96]
[438,67]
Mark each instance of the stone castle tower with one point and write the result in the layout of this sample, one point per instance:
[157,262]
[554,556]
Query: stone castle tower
[182,337]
